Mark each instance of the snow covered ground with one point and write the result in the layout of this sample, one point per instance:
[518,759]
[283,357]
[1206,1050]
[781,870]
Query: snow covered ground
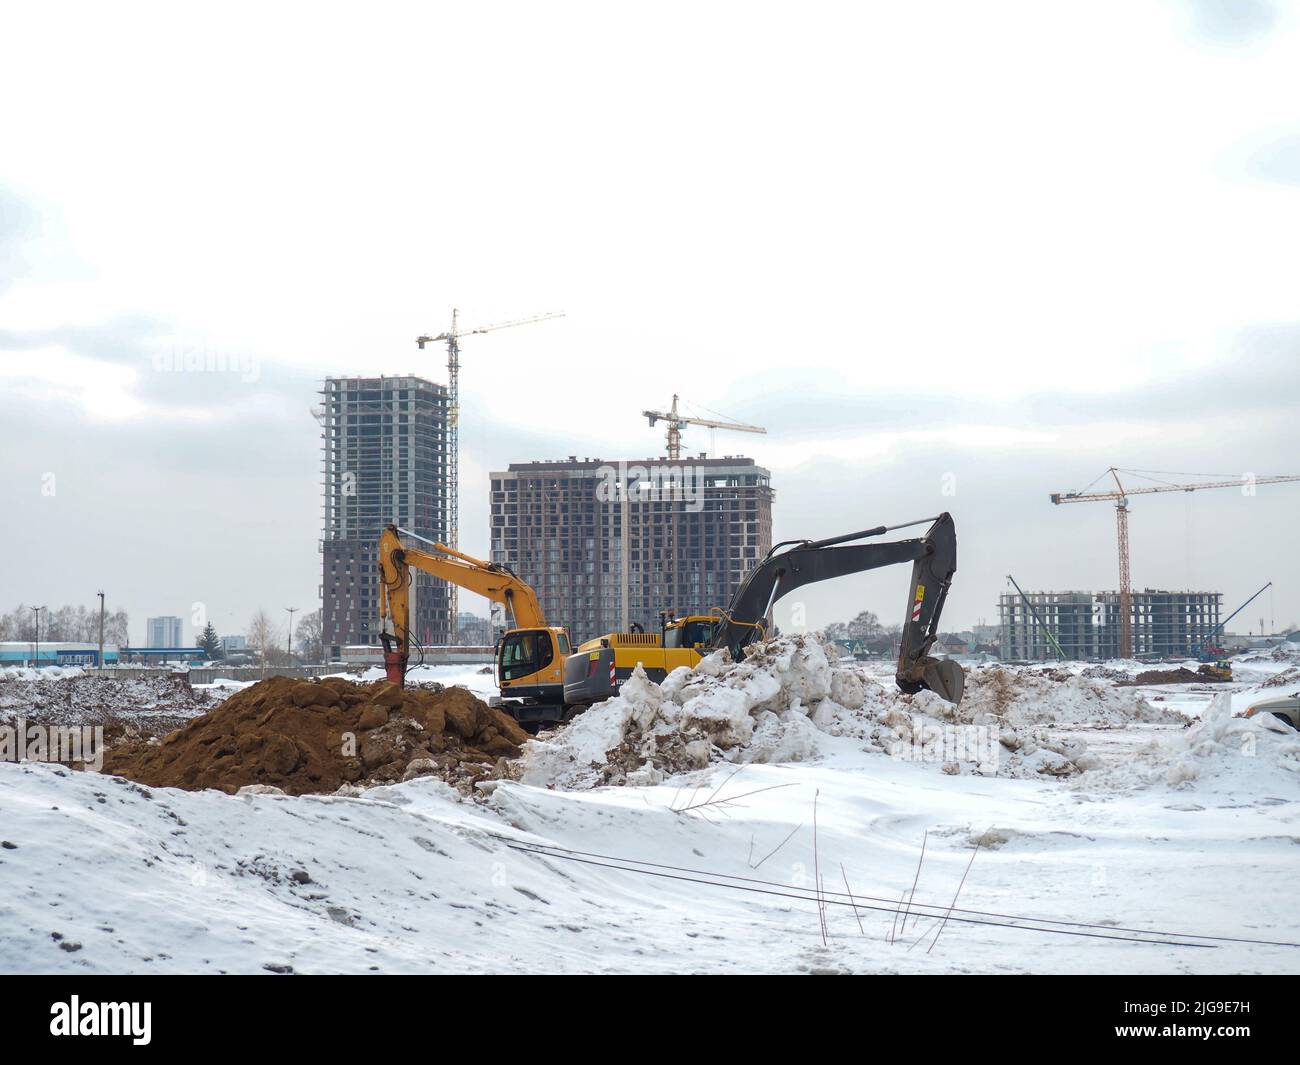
[1189,830]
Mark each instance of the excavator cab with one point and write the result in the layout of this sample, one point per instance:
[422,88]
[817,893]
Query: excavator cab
[690,632]
[530,672]
[522,653]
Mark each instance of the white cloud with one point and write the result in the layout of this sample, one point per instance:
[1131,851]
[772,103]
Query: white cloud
[52,374]
[877,447]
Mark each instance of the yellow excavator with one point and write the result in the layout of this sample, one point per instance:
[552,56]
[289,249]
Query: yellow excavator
[529,658]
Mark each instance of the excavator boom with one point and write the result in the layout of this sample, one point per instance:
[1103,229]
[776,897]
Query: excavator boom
[488,579]
[794,564]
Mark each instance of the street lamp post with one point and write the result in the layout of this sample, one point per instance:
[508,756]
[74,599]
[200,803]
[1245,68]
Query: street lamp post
[291,611]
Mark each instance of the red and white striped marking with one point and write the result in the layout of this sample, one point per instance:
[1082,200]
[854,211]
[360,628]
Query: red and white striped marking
[916,606]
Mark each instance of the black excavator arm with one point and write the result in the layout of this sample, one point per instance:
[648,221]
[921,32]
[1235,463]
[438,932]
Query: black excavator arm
[793,564]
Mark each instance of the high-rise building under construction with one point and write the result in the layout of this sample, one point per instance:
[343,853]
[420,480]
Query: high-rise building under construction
[384,460]
[1086,625]
[607,545]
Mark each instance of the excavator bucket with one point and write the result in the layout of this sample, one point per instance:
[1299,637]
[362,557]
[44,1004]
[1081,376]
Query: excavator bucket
[945,678]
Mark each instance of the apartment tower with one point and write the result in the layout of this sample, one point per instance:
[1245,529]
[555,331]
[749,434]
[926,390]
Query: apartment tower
[384,460]
[608,545]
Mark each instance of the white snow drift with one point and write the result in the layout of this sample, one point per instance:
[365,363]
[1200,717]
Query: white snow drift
[780,702]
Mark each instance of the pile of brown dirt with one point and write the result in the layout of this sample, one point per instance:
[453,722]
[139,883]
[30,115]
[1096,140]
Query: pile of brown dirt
[313,737]
[1181,675]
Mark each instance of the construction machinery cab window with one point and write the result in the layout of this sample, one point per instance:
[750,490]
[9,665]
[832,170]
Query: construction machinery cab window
[689,633]
[524,653]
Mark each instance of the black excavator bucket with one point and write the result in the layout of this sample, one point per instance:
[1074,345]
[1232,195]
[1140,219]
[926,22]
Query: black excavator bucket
[944,677]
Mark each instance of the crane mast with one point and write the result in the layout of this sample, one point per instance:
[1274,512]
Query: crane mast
[1125,577]
[452,339]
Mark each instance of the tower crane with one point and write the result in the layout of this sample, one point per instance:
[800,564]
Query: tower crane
[677,422]
[1120,496]
[452,339]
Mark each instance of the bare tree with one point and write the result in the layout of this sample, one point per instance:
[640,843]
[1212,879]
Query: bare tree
[307,638]
[261,636]
[117,628]
[71,624]
[865,626]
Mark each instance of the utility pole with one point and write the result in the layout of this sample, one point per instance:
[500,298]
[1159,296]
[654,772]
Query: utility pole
[291,610]
[101,631]
[36,643]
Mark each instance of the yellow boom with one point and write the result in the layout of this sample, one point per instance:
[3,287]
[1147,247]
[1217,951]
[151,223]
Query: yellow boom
[530,658]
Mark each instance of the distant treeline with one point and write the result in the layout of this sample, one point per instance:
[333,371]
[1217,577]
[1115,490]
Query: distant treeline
[70,624]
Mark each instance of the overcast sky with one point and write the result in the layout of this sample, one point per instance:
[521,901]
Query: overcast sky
[989,248]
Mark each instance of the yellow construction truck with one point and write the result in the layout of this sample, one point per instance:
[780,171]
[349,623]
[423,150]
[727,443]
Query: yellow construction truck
[529,657]
[680,642]
[598,667]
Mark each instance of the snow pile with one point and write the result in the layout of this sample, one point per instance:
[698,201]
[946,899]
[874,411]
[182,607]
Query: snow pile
[152,704]
[1100,672]
[24,673]
[756,710]
[1248,753]
[1023,699]
[791,698]
[1287,678]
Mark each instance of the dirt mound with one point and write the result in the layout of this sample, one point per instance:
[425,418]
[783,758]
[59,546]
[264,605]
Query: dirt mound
[1181,675]
[314,737]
